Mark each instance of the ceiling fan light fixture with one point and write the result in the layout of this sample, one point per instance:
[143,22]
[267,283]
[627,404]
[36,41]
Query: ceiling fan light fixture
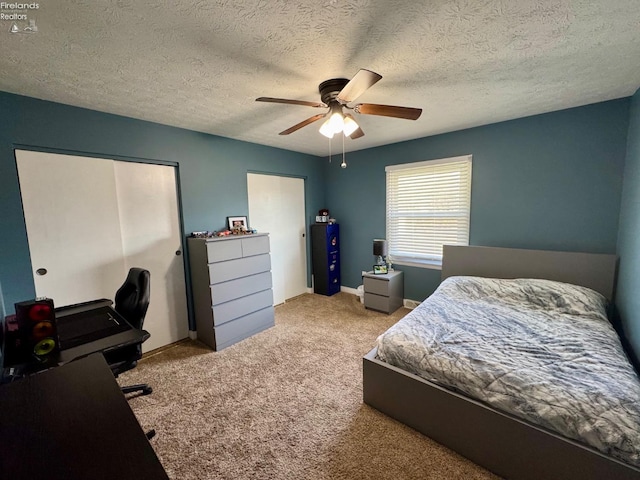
[326,129]
[350,126]
[336,121]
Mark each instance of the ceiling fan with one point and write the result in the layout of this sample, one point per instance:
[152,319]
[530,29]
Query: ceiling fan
[336,94]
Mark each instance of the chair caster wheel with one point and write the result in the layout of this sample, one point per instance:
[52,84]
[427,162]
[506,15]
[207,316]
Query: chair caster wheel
[147,391]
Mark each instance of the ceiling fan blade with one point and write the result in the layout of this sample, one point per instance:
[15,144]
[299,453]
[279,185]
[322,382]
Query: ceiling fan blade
[357,134]
[407,113]
[291,102]
[304,123]
[362,80]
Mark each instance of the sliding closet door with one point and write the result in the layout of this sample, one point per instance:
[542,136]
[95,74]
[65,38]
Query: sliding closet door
[148,206]
[73,227]
[89,220]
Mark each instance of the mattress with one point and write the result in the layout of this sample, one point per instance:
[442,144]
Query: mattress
[540,350]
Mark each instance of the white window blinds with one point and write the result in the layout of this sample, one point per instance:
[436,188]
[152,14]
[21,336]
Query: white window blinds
[428,206]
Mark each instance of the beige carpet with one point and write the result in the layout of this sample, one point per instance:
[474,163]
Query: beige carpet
[285,404]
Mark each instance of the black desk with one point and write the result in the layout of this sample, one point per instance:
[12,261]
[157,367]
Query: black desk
[93,327]
[83,329]
[72,422]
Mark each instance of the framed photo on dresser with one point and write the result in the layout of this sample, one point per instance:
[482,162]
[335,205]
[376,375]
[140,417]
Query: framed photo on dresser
[237,222]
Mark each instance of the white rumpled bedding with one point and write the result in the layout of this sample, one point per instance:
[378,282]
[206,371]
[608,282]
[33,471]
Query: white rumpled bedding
[543,351]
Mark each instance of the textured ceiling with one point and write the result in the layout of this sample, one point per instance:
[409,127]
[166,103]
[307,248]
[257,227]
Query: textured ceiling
[201,64]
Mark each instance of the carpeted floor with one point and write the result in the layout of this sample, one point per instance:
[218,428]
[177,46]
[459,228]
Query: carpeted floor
[284,404]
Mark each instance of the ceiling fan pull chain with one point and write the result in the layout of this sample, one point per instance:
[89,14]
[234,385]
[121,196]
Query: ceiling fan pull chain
[344,163]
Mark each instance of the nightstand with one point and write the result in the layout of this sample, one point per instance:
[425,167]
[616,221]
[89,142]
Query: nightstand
[385,292]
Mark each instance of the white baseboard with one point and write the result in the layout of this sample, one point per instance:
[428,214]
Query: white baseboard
[350,290]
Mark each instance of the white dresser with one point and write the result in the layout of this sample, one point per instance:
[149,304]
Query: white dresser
[232,287]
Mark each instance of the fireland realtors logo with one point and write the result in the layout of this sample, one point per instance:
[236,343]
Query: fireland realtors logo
[20,15]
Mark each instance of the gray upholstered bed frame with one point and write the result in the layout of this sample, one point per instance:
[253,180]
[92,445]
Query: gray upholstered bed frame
[502,443]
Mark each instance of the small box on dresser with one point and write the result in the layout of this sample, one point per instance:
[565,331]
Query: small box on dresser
[232,287]
[383,292]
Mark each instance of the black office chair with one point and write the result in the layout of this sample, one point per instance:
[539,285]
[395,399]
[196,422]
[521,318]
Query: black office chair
[132,302]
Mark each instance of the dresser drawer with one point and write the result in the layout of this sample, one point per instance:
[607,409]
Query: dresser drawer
[223,250]
[255,246]
[377,286]
[225,312]
[377,302]
[243,327]
[226,291]
[241,267]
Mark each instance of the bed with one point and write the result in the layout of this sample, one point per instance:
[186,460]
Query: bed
[508,444]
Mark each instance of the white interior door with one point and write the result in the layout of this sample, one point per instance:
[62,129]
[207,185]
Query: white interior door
[89,220]
[72,224]
[276,205]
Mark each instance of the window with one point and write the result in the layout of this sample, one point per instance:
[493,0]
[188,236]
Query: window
[428,206]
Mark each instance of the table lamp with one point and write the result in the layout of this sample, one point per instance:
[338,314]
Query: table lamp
[380,251]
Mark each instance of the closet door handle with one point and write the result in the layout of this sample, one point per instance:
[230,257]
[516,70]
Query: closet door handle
[41,271]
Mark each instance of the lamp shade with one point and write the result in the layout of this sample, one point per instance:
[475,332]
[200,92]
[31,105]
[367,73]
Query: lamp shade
[350,126]
[380,247]
[337,122]
[326,129]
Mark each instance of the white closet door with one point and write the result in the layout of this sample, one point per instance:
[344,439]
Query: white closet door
[148,207]
[276,205]
[73,229]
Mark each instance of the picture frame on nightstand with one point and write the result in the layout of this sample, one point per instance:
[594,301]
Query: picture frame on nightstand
[379,269]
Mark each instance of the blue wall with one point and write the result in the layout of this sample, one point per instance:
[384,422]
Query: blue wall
[212,170]
[628,289]
[550,182]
